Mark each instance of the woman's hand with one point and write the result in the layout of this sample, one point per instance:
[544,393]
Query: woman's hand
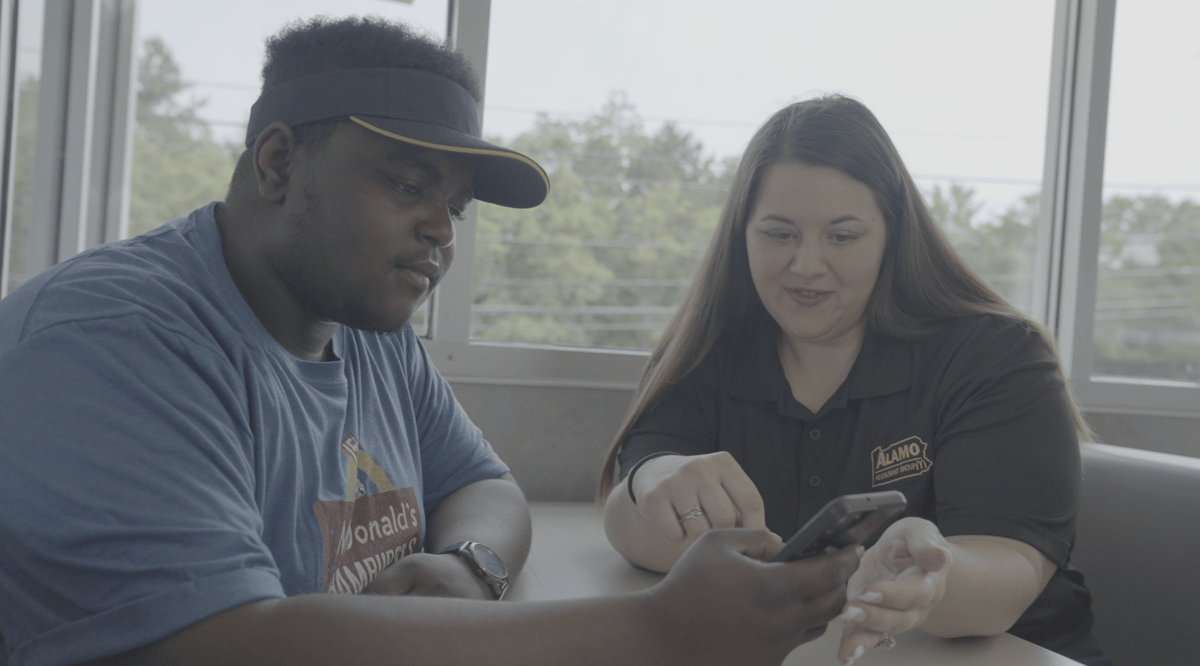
[686,496]
[679,498]
[898,582]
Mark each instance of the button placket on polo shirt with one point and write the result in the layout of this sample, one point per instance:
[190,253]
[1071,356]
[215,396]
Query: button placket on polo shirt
[812,453]
[823,455]
[814,436]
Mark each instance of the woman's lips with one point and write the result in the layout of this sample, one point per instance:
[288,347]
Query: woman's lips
[808,297]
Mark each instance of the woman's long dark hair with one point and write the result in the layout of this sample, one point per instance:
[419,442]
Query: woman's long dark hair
[922,285]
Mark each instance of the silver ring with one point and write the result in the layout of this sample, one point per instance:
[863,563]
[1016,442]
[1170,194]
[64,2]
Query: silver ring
[694,512]
[887,642]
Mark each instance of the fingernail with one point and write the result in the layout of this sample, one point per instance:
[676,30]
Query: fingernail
[860,550]
[870,597]
[852,614]
[858,652]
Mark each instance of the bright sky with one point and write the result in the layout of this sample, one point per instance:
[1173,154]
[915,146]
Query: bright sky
[961,86]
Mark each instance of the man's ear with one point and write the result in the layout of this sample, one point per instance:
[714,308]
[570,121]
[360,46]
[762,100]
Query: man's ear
[274,153]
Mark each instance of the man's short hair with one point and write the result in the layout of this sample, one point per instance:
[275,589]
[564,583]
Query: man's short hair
[323,44]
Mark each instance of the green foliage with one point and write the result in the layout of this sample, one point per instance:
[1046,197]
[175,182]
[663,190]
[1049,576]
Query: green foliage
[22,190]
[607,258]
[1000,250]
[1147,321]
[1148,304]
[177,166]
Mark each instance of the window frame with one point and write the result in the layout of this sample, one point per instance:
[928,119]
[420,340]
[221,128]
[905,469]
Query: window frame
[8,129]
[1074,182]
[457,357]
[89,51]
[84,141]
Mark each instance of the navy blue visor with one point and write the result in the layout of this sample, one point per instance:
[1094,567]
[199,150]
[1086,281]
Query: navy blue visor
[409,105]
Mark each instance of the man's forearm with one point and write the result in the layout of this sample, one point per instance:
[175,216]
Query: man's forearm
[368,630]
[492,512]
[721,604]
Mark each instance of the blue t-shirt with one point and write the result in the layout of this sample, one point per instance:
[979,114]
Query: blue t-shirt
[163,458]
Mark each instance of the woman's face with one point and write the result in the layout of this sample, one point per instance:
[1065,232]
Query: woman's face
[815,240]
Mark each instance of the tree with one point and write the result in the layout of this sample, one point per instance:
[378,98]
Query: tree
[177,165]
[22,190]
[1148,292]
[607,258]
[1000,250]
[1147,318]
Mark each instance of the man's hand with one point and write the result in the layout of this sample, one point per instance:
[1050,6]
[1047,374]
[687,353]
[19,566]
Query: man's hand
[723,603]
[429,575]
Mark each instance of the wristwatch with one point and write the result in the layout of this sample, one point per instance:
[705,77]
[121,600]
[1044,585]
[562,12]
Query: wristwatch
[485,563]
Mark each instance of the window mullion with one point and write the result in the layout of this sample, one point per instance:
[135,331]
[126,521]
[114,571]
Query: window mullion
[450,312]
[116,162]
[1048,263]
[8,131]
[1083,188]
[40,247]
[79,133]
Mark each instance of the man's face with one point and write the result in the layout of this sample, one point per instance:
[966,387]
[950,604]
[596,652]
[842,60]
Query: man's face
[369,226]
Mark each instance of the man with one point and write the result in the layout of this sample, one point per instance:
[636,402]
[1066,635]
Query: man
[224,443]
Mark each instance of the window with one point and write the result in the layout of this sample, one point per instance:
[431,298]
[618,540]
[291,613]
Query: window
[1147,311]
[1079,205]
[20,248]
[652,104]
[1122,291]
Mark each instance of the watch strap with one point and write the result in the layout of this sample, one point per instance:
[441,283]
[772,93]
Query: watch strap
[465,550]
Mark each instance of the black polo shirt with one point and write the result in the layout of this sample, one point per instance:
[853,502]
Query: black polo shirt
[973,425]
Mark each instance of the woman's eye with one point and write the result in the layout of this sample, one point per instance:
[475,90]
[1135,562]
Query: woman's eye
[843,238]
[778,235]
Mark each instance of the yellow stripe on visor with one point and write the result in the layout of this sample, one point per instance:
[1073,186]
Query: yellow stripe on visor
[504,154]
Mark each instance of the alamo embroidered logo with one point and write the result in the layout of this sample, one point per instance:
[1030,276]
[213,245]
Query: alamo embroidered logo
[904,459]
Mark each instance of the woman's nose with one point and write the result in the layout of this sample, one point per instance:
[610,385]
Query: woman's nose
[809,259]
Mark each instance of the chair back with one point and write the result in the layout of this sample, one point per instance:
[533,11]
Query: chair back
[1138,545]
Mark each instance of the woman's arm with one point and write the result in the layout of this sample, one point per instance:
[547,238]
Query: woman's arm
[650,533]
[969,585]
[1005,447]
[991,583]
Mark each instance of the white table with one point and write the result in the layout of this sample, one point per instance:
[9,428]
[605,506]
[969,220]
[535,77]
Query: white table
[571,558]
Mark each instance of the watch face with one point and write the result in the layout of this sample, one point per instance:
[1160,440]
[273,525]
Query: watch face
[490,562]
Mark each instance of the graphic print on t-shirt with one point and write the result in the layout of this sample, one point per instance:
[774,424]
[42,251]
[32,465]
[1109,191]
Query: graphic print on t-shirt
[374,527]
[906,458]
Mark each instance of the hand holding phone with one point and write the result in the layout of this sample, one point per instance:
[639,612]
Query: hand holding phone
[846,520]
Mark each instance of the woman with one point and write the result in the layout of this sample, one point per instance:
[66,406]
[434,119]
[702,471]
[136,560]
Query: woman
[834,343]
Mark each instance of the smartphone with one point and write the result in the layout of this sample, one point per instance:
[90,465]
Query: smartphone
[846,520]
